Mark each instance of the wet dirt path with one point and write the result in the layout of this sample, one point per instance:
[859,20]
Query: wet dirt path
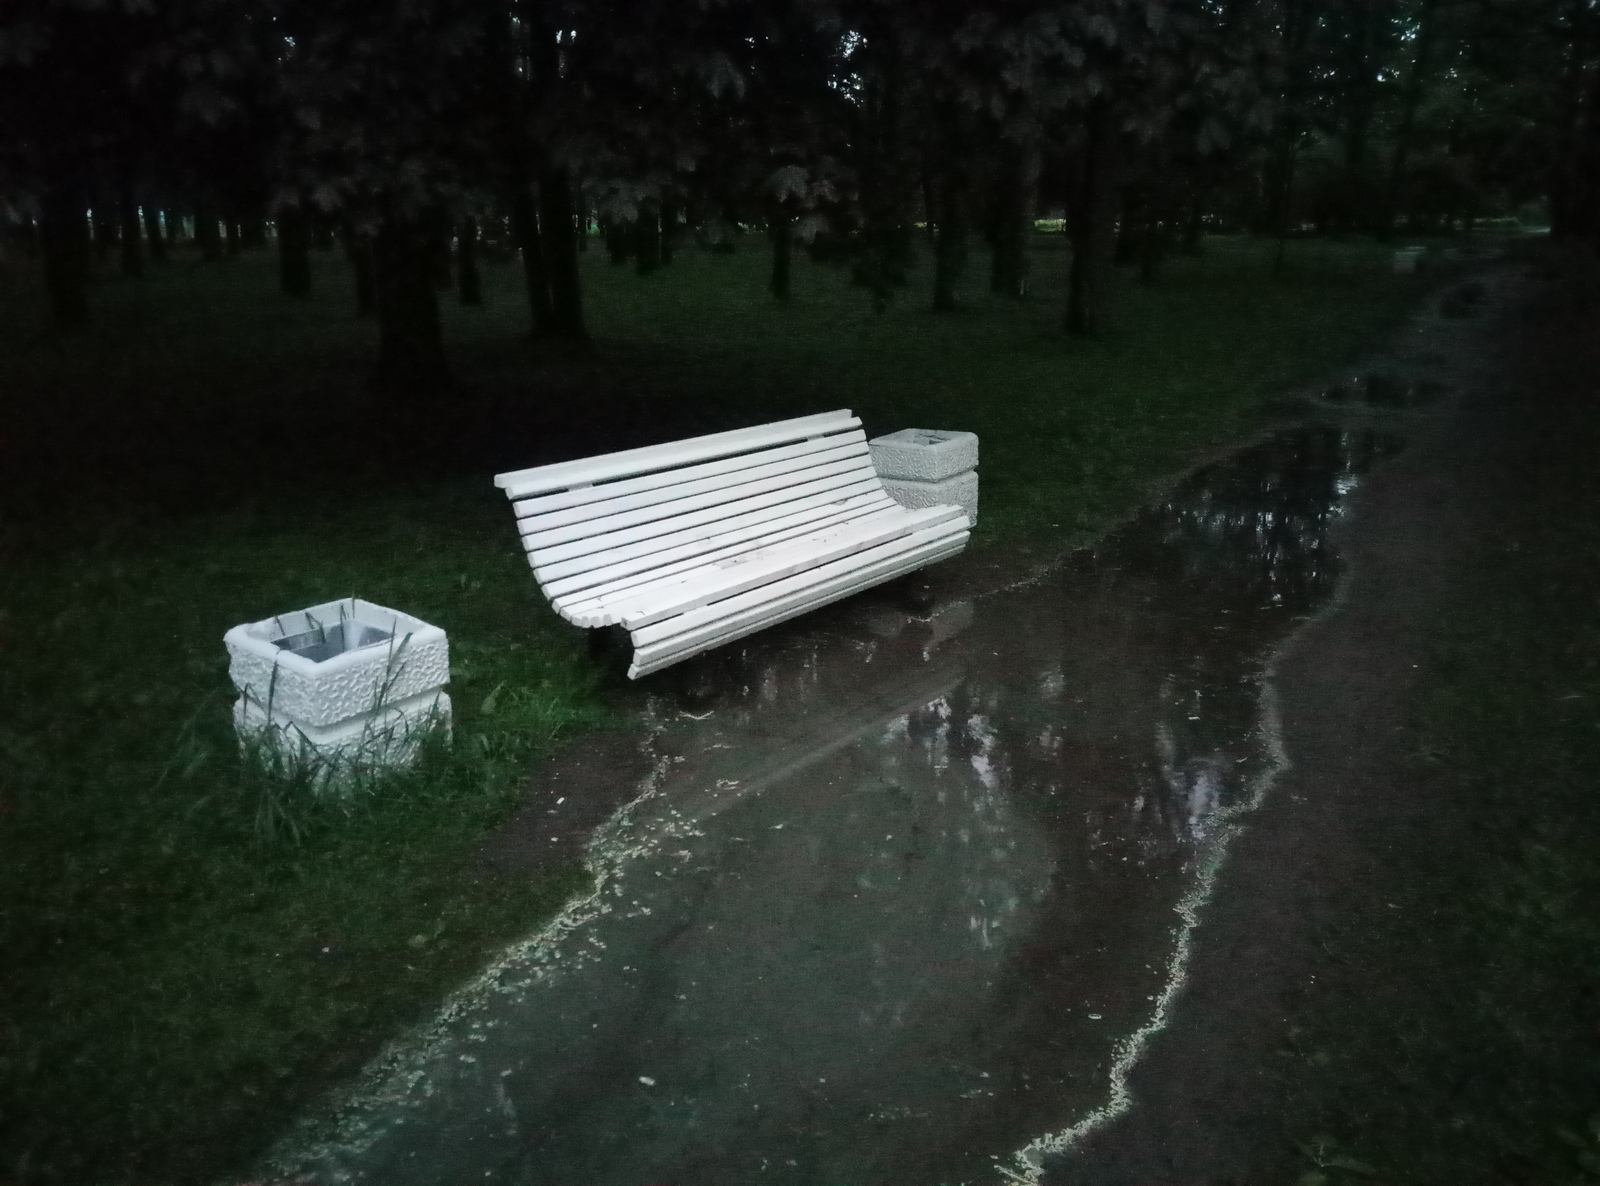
[916,900]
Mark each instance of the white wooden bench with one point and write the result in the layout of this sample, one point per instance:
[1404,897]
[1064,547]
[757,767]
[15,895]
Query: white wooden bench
[695,543]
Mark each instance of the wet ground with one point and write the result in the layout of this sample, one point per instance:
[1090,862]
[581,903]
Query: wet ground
[906,902]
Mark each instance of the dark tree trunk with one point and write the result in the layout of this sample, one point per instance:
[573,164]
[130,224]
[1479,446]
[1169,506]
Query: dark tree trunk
[669,230]
[619,240]
[440,261]
[104,220]
[1016,191]
[253,231]
[294,252]
[358,250]
[469,282]
[1411,99]
[1194,225]
[233,236]
[152,233]
[950,245]
[556,217]
[207,233]
[583,223]
[321,232]
[1091,223]
[780,230]
[647,241]
[930,209]
[64,236]
[525,226]
[410,349]
[132,241]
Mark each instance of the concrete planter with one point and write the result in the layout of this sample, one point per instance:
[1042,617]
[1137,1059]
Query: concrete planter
[354,681]
[923,467]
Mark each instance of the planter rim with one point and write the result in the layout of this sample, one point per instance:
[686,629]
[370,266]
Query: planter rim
[258,638]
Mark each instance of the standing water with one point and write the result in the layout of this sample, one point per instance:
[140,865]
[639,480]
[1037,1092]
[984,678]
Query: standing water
[905,905]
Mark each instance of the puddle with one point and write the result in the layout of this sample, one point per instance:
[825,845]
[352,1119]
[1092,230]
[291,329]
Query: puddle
[1383,390]
[903,905]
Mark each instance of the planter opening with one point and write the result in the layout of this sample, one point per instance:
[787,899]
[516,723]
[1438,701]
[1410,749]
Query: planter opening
[320,645]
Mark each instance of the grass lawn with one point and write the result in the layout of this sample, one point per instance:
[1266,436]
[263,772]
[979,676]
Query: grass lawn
[192,950]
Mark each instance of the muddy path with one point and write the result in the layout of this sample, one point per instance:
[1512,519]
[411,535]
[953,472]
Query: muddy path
[1009,891]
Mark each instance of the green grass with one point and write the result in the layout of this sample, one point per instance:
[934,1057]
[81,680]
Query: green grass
[178,977]
[1471,1053]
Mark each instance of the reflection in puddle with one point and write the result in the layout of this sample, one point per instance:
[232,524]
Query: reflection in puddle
[912,895]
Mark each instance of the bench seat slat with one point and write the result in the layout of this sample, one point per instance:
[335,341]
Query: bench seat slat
[584,604]
[546,478]
[806,592]
[597,533]
[676,479]
[578,555]
[727,538]
[705,587]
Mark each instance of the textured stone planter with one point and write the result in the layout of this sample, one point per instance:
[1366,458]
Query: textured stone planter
[356,682]
[922,467]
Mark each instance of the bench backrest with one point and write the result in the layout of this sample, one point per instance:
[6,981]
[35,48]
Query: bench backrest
[600,523]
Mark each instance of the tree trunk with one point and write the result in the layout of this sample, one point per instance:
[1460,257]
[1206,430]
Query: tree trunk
[1015,194]
[132,242]
[1410,101]
[669,230]
[525,226]
[294,252]
[321,231]
[619,240]
[232,235]
[253,231]
[556,216]
[411,358]
[950,244]
[469,282]
[152,233]
[358,250]
[207,233]
[104,222]
[647,241]
[1092,225]
[1194,224]
[781,232]
[64,236]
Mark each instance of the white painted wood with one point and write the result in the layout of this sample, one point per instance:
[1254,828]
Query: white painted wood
[704,587]
[566,559]
[677,478]
[598,532]
[697,618]
[696,543]
[724,541]
[674,650]
[591,606]
[566,474]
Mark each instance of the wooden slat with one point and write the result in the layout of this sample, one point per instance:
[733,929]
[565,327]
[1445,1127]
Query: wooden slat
[598,534]
[680,647]
[578,555]
[587,605]
[715,583]
[738,537]
[705,616]
[606,467]
[673,479]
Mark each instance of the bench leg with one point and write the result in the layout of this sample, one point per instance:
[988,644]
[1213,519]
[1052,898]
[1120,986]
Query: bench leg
[915,593]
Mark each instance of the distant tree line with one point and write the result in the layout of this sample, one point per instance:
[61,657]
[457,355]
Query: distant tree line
[417,134]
